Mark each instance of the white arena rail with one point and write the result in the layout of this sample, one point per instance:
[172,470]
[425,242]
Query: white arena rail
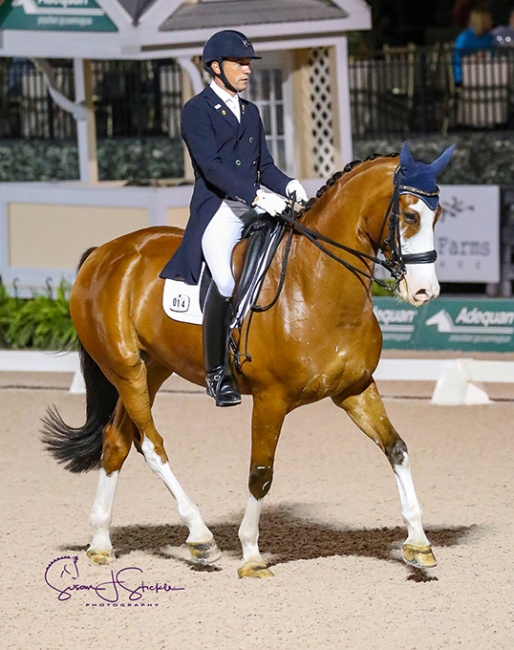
[42,361]
[458,381]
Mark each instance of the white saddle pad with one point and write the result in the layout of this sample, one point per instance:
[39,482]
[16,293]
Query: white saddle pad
[181,301]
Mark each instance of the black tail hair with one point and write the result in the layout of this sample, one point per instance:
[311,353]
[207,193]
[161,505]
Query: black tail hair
[80,449]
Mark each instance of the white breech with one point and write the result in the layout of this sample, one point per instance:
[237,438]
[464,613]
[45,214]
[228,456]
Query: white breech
[219,238]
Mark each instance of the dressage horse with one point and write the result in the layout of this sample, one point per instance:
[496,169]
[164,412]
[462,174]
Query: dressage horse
[319,339]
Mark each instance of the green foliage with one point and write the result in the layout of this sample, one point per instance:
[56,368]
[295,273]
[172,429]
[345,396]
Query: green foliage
[40,322]
[118,158]
[379,290]
[8,306]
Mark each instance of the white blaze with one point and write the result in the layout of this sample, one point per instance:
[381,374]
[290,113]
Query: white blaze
[420,284]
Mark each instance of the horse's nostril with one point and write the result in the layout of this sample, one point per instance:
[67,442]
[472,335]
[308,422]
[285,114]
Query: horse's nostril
[422,296]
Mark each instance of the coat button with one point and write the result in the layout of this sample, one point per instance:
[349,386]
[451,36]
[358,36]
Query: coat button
[250,139]
[238,162]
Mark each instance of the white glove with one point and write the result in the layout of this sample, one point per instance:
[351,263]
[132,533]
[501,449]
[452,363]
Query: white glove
[295,186]
[268,202]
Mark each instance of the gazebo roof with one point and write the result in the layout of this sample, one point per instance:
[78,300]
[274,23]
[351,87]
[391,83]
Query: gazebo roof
[219,13]
[142,29]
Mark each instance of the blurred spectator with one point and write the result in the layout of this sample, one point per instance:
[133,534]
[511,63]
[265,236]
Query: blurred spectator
[475,40]
[462,9]
[504,34]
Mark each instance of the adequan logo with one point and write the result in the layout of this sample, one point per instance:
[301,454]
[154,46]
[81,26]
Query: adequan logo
[395,320]
[475,321]
[58,7]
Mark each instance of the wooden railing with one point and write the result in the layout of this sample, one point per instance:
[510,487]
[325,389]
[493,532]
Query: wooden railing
[413,90]
[132,98]
[396,91]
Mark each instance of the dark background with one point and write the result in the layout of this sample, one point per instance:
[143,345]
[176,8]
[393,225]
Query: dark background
[423,22]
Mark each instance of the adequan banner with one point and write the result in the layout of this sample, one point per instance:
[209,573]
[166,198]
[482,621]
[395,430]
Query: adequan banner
[55,15]
[478,325]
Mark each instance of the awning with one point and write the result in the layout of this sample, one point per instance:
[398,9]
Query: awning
[143,29]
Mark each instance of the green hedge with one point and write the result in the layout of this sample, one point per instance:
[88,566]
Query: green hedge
[480,157]
[39,323]
[118,158]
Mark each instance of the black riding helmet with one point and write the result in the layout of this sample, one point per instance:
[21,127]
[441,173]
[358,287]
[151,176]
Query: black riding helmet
[227,44]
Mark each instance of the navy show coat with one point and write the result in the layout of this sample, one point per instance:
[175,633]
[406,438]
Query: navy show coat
[230,161]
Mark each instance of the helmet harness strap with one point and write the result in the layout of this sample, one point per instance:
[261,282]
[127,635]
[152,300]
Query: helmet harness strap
[221,75]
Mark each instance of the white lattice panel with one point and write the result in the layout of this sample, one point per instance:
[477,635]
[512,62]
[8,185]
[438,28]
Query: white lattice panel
[321,112]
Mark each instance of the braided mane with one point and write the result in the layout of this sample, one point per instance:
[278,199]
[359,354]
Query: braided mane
[337,176]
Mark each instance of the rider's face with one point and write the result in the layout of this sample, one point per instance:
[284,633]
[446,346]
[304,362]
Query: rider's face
[237,71]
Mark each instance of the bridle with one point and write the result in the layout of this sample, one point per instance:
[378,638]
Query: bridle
[396,262]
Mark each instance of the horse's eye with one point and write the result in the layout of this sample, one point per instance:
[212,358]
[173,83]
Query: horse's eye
[411,217]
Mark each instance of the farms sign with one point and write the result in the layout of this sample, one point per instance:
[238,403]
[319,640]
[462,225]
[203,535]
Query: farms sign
[55,15]
[468,234]
[459,324]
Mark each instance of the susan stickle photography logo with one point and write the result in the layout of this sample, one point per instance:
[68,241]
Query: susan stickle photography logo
[125,587]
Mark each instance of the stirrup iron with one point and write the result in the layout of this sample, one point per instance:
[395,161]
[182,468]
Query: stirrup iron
[220,386]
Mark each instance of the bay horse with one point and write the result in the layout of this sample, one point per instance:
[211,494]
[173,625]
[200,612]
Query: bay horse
[320,339]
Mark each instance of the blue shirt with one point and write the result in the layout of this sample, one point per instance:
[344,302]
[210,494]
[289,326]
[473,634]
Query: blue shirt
[468,42]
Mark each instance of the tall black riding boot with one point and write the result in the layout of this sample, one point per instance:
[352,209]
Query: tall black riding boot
[216,324]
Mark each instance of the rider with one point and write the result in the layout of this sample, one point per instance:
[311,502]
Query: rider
[225,138]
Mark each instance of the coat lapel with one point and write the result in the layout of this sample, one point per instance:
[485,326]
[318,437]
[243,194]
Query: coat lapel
[221,108]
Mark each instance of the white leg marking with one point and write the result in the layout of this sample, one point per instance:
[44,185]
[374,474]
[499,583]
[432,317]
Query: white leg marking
[188,512]
[101,513]
[411,510]
[249,531]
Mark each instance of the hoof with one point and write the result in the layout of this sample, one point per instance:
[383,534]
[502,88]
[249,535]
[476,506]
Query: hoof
[254,570]
[420,557]
[204,553]
[100,557]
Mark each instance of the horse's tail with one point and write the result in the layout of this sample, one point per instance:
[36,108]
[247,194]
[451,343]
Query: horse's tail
[80,449]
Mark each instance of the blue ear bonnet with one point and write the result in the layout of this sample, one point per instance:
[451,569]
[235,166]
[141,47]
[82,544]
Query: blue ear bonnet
[419,178]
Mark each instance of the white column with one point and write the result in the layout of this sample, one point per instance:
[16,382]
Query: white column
[86,130]
[343,114]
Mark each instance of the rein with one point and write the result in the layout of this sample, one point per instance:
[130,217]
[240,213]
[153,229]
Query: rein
[395,264]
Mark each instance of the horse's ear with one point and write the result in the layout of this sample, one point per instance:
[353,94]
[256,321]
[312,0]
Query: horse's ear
[407,162]
[440,163]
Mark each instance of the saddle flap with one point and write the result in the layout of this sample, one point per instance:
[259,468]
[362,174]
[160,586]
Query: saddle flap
[250,261]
